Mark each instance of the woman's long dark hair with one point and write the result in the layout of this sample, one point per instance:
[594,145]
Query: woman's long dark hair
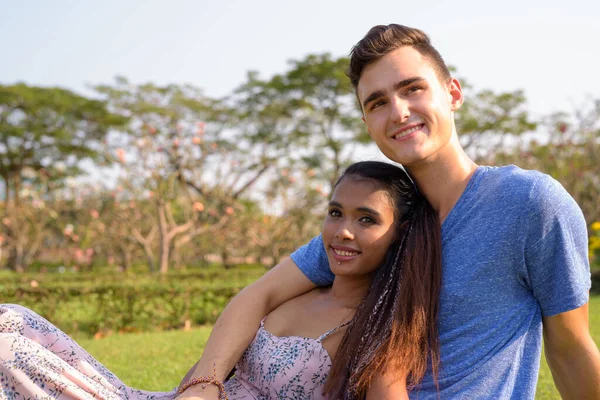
[394,330]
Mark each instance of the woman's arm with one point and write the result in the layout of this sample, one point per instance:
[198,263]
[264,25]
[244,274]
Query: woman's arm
[388,387]
[237,325]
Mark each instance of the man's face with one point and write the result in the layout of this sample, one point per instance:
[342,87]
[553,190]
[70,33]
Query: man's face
[407,108]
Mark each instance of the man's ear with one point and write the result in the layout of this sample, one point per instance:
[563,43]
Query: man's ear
[455,94]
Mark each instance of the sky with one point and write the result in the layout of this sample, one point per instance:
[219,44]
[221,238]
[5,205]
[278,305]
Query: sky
[545,47]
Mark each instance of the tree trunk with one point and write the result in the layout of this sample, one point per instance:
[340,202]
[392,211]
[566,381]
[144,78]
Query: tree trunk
[17,189]
[147,246]
[15,259]
[125,257]
[151,262]
[146,243]
[177,258]
[276,254]
[6,190]
[225,258]
[163,239]
[164,258]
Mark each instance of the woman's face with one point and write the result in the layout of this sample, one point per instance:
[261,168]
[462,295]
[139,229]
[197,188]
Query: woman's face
[359,227]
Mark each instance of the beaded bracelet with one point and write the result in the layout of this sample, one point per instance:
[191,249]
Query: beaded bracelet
[204,381]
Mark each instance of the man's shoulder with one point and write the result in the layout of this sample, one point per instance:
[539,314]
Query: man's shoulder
[513,177]
[531,188]
[505,186]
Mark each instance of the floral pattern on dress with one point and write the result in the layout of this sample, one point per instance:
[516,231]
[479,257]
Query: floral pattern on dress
[292,367]
[39,361]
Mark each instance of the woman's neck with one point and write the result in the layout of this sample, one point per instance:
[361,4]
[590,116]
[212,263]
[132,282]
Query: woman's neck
[349,291]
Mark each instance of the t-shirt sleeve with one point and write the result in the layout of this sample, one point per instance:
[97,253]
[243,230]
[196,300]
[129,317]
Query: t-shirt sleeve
[556,249]
[312,261]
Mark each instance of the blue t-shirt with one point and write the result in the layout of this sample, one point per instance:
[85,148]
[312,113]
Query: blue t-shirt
[514,249]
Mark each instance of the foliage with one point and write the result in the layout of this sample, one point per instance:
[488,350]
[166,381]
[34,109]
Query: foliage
[309,114]
[49,130]
[595,245]
[91,304]
[88,304]
[44,134]
[166,152]
[488,121]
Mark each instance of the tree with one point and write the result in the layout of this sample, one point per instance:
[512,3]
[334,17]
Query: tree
[489,121]
[176,148]
[25,227]
[50,129]
[46,131]
[306,118]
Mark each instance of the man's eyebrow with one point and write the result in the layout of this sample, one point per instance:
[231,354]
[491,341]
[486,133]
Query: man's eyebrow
[373,96]
[408,82]
[335,204]
[380,93]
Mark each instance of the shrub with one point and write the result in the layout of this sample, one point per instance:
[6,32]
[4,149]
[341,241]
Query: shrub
[91,304]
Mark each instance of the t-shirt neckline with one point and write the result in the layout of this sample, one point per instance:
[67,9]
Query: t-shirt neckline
[463,197]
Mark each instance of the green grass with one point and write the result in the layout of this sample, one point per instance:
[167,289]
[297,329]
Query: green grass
[158,361]
[154,361]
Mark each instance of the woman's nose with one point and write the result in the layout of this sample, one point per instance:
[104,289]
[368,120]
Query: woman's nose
[344,233]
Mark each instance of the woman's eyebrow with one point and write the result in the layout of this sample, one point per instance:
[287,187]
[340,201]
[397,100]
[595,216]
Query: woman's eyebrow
[376,213]
[369,210]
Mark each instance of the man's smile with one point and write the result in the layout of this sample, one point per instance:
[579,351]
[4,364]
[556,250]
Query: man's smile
[405,132]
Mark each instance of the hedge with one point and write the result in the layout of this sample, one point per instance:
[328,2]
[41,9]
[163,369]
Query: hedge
[83,303]
[121,308]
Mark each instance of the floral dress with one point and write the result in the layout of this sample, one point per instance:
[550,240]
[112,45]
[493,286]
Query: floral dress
[273,367]
[39,361]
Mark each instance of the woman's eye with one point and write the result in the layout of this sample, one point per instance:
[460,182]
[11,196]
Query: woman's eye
[334,213]
[367,220]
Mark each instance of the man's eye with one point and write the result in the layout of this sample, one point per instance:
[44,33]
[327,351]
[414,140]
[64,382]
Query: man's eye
[377,104]
[413,89]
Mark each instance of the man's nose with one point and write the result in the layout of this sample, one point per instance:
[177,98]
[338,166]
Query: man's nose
[399,109]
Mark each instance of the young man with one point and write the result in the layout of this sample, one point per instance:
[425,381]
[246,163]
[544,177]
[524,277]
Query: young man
[515,265]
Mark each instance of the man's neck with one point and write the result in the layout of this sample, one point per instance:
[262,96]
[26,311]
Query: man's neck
[443,178]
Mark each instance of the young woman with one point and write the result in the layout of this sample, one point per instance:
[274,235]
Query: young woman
[376,323]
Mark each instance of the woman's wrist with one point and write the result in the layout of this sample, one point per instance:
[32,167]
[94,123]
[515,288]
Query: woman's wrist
[210,392]
[205,382]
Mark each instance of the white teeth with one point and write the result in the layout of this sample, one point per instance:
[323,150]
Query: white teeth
[345,253]
[407,132]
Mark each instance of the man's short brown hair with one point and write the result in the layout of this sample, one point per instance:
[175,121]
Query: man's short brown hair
[382,39]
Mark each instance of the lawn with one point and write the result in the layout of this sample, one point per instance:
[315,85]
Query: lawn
[157,361]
